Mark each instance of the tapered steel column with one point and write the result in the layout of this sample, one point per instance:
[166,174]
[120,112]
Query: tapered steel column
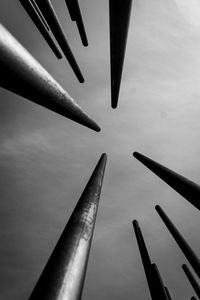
[158,283]
[23,75]
[120,12]
[64,274]
[168,293]
[49,14]
[29,8]
[185,187]
[75,14]
[184,246]
[40,14]
[145,257]
[192,280]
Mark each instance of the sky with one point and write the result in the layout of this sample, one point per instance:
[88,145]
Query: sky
[46,159]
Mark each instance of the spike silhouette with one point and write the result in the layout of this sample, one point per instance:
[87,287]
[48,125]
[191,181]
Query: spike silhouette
[191,279]
[185,187]
[154,280]
[119,23]
[49,14]
[64,274]
[33,14]
[40,14]
[75,14]
[184,246]
[23,75]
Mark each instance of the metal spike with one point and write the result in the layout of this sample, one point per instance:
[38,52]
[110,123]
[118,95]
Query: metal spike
[29,8]
[158,283]
[191,279]
[185,187]
[49,14]
[184,246]
[23,75]
[120,12]
[40,14]
[64,274]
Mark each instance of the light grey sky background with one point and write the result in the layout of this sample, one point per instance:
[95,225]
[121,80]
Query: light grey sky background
[46,160]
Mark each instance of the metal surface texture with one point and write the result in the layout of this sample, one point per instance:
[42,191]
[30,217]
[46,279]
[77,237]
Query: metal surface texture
[23,75]
[49,14]
[75,14]
[33,14]
[185,187]
[120,12]
[158,283]
[168,293]
[192,280]
[184,246]
[40,14]
[64,274]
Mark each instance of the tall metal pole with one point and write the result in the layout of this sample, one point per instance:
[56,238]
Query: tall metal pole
[185,187]
[63,277]
[120,12]
[184,246]
[23,75]
[75,14]
[49,14]
[33,14]
[158,283]
[40,14]
[191,279]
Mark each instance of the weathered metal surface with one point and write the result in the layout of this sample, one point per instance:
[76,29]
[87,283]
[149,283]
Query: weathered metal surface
[64,274]
[75,14]
[23,75]
[185,187]
[191,279]
[120,12]
[184,246]
[49,14]
[40,14]
[29,8]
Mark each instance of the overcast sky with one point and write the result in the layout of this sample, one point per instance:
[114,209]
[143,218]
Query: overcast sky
[46,160]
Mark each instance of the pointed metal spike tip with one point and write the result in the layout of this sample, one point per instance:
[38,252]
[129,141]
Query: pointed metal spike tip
[185,187]
[33,14]
[120,12]
[64,274]
[184,246]
[50,16]
[23,75]
[40,14]
[191,279]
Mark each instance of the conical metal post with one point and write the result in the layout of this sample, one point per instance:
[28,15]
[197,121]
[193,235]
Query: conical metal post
[185,187]
[184,246]
[23,75]
[120,12]
[191,279]
[168,293]
[158,283]
[33,14]
[49,14]
[64,274]
[40,14]
[75,13]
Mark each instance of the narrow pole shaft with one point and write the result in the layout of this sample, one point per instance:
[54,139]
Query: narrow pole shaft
[23,75]
[40,14]
[184,246]
[119,14]
[64,274]
[50,16]
[72,9]
[80,24]
[185,187]
[158,283]
[192,280]
[29,8]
